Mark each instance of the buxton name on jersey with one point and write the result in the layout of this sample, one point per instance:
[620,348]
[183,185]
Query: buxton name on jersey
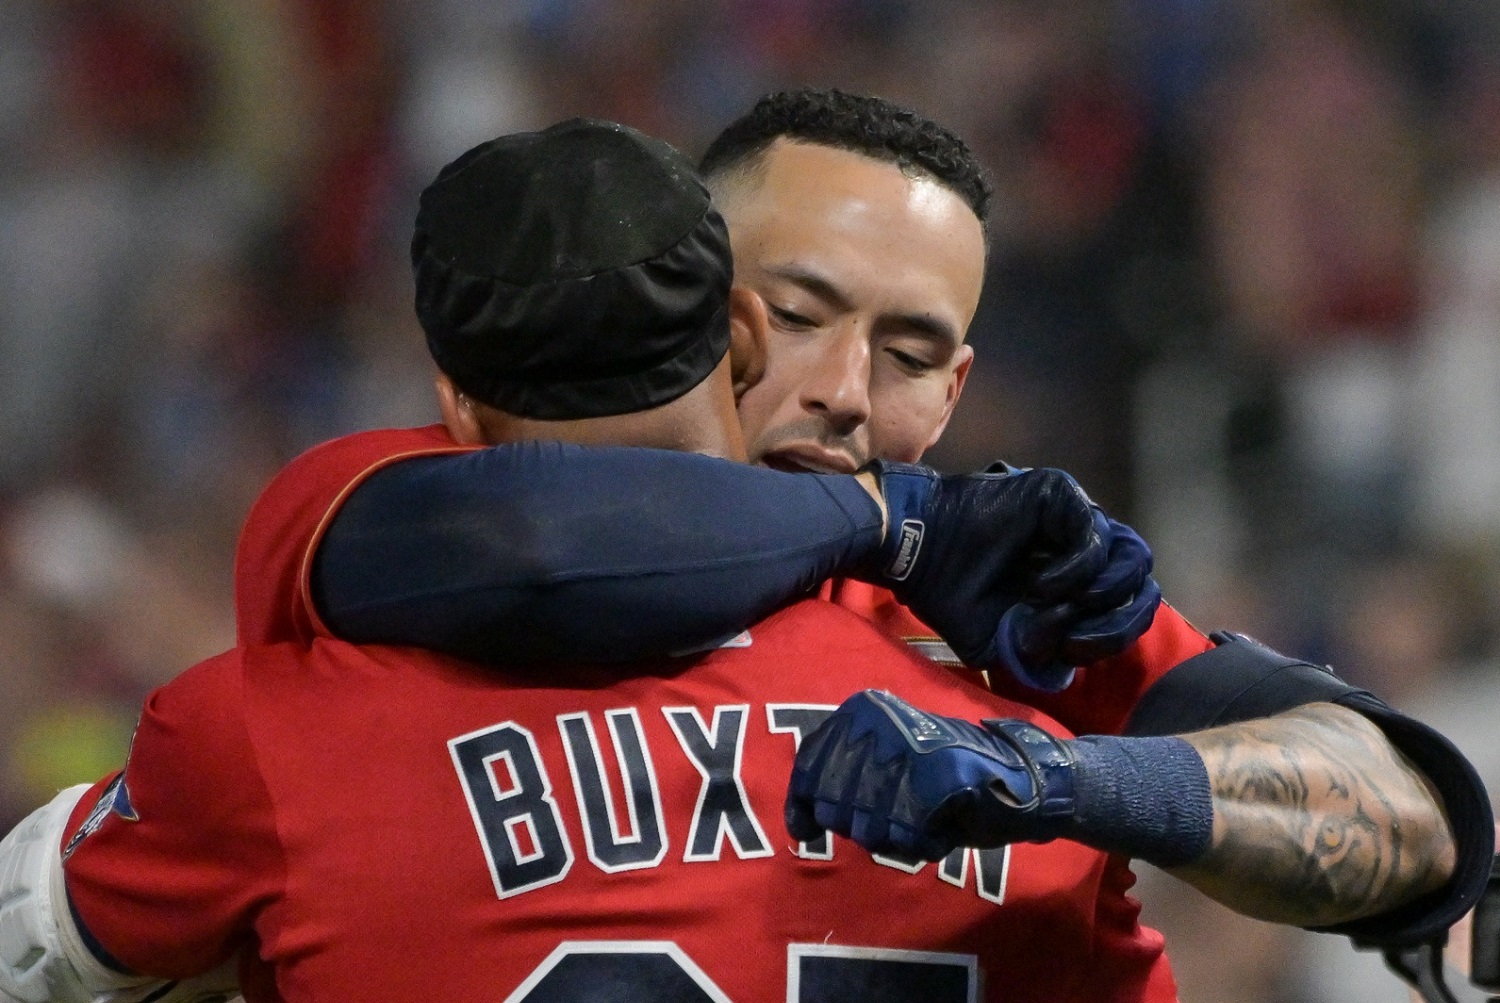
[387,820]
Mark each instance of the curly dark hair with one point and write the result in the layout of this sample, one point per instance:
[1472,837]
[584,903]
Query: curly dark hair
[859,123]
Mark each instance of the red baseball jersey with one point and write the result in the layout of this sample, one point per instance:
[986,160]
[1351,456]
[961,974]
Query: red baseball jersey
[274,601]
[387,823]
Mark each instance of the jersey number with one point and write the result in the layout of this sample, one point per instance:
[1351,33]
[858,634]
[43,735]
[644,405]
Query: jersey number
[617,971]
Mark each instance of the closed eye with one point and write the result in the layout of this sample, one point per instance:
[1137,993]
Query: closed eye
[910,361]
[790,318]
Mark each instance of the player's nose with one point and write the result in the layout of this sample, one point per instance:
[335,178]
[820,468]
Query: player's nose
[837,388]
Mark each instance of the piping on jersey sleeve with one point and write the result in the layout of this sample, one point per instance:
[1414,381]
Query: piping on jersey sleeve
[303,597]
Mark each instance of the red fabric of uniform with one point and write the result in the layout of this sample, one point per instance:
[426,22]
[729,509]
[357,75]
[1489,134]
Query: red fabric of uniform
[1066,930]
[166,884]
[389,823]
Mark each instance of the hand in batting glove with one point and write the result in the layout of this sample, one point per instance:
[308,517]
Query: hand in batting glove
[1045,635]
[899,780]
[1015,568]
[896,779]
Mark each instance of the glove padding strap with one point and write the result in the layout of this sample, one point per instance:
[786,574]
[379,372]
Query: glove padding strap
[899,780]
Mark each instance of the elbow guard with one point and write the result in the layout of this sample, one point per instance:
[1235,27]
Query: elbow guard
[1241,679]
[44,957]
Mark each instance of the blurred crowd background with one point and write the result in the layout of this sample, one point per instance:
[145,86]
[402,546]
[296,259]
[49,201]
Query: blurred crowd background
[1245,285]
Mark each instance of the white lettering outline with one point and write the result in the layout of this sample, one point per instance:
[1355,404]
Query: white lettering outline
[712,737]
[571,947]
[613,718]
[546,798]
[796,952]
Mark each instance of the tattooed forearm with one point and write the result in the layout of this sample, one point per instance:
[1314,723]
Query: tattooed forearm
[1317,819]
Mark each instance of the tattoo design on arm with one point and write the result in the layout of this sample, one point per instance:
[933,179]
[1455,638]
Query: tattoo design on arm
[1318,820]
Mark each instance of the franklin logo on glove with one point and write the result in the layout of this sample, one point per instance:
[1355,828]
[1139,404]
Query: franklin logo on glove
[906,552]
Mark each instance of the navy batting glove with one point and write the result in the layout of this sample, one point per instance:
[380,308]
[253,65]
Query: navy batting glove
[1015,568]
[1042,639]
[899,780]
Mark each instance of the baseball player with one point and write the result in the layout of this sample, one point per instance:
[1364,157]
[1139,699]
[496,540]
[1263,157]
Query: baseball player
[858,234]
[353,822]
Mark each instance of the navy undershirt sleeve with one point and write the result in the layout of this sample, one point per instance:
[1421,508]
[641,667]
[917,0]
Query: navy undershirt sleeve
[542,552]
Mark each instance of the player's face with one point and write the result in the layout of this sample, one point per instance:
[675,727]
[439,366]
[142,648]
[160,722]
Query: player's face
[870,279]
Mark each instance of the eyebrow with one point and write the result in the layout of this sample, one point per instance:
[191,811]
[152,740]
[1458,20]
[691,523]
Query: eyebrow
[924,324]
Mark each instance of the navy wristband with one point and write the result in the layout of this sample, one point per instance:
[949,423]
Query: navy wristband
[1148,798]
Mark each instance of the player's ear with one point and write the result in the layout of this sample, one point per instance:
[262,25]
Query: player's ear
[958,374]
[460,413]
[749,323]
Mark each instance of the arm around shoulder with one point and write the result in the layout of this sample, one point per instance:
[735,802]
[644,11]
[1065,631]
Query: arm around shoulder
[497,555]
